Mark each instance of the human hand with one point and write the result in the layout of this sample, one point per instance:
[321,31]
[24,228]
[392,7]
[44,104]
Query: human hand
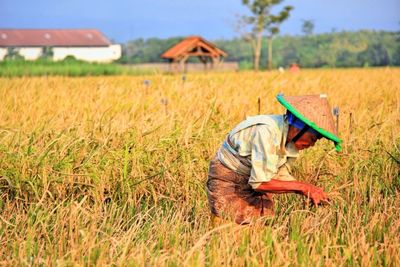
[316,194]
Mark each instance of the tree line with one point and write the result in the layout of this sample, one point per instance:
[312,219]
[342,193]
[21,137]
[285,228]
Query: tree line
[335,49]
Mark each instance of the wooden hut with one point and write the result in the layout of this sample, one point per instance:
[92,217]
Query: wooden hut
[193,46]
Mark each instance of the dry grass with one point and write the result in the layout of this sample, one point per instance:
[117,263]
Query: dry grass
[98,171]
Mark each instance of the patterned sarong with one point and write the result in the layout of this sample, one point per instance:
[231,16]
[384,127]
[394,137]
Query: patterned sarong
[231,197]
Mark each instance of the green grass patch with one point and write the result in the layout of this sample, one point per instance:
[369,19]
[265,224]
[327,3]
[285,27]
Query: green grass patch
[68,67]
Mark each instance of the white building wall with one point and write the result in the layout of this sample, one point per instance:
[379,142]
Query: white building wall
[30,53]
[3,53]
[91,54]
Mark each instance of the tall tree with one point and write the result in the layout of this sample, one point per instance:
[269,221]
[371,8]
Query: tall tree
[273,29]
[260,21]
[308,27]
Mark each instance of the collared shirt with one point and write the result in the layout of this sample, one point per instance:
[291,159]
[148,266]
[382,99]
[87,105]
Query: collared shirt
[257,147]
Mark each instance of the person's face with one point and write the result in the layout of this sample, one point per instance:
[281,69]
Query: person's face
[305,141]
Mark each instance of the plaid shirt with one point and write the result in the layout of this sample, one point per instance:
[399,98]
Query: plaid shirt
[257,147]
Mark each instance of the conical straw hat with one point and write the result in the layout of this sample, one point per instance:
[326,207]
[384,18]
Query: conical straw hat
[313,110]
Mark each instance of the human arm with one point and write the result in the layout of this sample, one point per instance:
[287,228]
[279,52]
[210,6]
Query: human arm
[316,194]
[266,177]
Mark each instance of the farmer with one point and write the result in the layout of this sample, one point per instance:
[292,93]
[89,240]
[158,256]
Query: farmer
[254,160]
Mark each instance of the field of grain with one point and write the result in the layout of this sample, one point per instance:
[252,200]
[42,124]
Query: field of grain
[111,171]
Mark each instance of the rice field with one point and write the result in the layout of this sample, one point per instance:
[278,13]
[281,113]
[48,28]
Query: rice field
[110,171]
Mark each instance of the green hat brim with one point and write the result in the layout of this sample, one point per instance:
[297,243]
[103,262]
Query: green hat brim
[336,140]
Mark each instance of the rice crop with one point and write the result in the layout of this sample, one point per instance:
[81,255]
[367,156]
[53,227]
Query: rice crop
[100,171]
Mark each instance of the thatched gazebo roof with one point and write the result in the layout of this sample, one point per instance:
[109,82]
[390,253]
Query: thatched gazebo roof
[193,46]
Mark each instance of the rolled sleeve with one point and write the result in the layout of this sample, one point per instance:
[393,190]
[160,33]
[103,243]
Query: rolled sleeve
[264,159]
[284,173]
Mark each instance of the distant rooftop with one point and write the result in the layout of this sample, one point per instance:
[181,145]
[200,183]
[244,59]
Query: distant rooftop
[52,37]
[188,44]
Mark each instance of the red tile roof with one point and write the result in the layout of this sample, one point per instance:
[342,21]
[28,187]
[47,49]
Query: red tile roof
[49,37]
[188,44]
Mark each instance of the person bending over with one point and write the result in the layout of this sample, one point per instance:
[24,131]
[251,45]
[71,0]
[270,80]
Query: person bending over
[255,159]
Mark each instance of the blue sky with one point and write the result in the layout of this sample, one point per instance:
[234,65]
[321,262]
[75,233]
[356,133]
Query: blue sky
[122,20]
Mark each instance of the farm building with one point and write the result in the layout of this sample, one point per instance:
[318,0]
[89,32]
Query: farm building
[83,44]
[194,46]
